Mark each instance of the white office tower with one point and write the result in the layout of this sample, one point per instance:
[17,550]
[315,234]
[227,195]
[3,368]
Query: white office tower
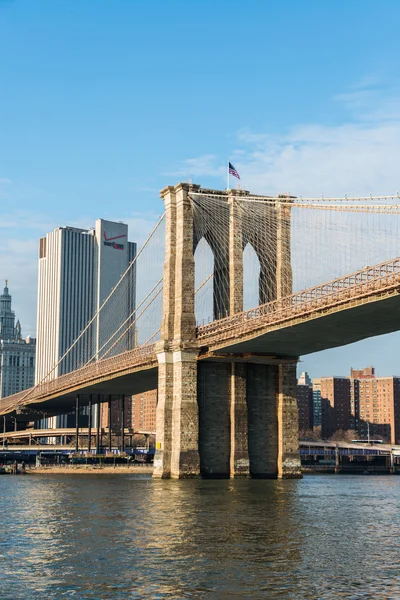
[304,379]
[78,268]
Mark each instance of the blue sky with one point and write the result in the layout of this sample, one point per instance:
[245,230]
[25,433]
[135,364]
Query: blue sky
[104,102]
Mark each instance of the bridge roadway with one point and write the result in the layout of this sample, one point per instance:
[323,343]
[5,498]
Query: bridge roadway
[346,310]
[33,434]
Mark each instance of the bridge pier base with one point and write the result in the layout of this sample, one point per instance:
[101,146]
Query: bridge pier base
[263,422]
[289,466]
[177,442]
[213,396]
[185,461]
[248,420]
[228,415]
[162,458]
[239,447]
[218,419]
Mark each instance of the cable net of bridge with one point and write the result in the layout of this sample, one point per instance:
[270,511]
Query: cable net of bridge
[288,244]
[129,317]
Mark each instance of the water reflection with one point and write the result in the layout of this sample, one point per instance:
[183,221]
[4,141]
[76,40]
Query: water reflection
[89,536]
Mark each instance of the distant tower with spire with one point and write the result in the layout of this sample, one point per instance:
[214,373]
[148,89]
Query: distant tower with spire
[17,356]
[7,316]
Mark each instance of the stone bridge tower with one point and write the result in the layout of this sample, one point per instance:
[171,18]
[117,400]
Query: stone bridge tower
[227,415]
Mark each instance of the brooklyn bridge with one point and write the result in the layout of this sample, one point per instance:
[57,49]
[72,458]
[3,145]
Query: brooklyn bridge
[225,295]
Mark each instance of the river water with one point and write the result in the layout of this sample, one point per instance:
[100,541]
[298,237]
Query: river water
[127,536]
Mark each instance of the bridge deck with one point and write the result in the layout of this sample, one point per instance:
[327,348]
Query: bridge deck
[346,310]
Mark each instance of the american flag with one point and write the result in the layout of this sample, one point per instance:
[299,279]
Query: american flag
[233,171]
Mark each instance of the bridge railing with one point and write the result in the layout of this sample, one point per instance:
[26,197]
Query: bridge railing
[141,356]
[361,282]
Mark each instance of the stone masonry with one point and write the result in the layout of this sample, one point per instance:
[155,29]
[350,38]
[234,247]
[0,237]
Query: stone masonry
[223,416]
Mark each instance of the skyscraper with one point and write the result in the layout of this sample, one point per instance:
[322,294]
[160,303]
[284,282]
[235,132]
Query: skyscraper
[317,408]
[17,356]
[304,403]
[78,268]
[304,379]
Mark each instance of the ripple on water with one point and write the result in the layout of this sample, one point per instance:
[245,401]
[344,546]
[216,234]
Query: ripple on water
[117,536]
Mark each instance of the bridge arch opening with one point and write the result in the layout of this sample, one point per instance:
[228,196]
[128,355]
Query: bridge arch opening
[203,282]
[251,277]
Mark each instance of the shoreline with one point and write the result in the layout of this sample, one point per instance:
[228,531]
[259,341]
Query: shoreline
[91,469]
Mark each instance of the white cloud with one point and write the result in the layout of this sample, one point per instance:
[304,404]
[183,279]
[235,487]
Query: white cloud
[312,160]
[359,156]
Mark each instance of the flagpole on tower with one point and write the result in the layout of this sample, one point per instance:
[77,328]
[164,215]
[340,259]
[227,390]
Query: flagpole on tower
[227,175]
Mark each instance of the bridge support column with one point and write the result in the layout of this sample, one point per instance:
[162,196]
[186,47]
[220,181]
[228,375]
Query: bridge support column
[284,276]
[214,394]
[98,409]
[288,442]
[239,451]
[239,447]
[177,453]
[77,409]
[235,255]
[177,440]
[248,421]
[261,388]
[109,404]
[185,461]
[122,424]
[223,438]
[162,458]
[90,425]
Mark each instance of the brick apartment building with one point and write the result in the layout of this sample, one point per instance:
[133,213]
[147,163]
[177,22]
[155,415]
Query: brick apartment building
[363,403]
[116,414]
[305,407]
[377,401]
[335,405]
[144,411]
[139,412]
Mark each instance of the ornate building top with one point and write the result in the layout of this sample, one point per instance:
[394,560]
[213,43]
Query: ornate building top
[8,330]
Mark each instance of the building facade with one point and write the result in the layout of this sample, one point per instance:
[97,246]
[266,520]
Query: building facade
[317,406]
[144,411]
[304,395]
[377,405]
[116,414]
[17,355]
[367,405]
[304,379]
[335,405]
[78,268]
